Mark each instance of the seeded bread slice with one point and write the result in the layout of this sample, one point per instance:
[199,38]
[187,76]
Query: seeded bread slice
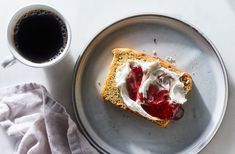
[110,91]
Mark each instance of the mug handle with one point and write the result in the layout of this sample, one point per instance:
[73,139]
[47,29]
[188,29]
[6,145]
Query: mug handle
[8,61]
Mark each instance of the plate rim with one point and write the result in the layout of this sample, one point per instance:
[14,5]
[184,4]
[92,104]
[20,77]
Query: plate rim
[199,32]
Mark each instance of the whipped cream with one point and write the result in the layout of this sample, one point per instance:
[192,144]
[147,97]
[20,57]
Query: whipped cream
[155,74]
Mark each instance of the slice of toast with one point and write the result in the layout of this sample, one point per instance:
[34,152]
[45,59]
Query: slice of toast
[110,92]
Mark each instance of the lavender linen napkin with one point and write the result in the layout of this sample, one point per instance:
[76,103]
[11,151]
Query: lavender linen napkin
[38,124]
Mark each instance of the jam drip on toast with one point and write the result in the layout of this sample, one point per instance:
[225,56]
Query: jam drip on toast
[157,103]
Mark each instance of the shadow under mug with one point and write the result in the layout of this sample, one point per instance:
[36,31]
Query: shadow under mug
[15,54]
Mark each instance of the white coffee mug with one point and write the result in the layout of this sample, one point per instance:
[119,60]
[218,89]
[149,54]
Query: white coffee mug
[16,56]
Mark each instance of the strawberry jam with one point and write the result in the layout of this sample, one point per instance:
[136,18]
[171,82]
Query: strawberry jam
[157,103]
[133,81]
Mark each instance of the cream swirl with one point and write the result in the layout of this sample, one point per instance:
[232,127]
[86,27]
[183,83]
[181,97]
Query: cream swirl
[153,73]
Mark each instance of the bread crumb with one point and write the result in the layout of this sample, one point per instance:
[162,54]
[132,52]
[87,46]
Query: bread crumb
[155,40]
[170,60]
[154,53]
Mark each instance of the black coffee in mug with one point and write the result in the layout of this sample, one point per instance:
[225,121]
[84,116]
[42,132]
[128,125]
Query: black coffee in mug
[40,36]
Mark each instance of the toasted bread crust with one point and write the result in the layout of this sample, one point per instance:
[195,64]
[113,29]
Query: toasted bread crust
[110,91]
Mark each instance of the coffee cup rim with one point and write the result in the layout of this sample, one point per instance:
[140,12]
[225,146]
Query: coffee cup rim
[16,16]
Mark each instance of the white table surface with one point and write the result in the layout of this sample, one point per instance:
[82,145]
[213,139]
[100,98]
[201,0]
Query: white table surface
[215,18]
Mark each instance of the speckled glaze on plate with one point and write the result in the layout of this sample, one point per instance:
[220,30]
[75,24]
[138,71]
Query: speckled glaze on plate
[112,130]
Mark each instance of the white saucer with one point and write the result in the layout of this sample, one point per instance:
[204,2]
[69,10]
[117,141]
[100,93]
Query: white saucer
[112,130]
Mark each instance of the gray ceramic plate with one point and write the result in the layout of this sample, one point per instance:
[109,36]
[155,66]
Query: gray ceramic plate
[112,130]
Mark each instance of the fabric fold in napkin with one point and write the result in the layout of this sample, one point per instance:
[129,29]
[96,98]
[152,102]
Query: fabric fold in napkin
[38,124]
